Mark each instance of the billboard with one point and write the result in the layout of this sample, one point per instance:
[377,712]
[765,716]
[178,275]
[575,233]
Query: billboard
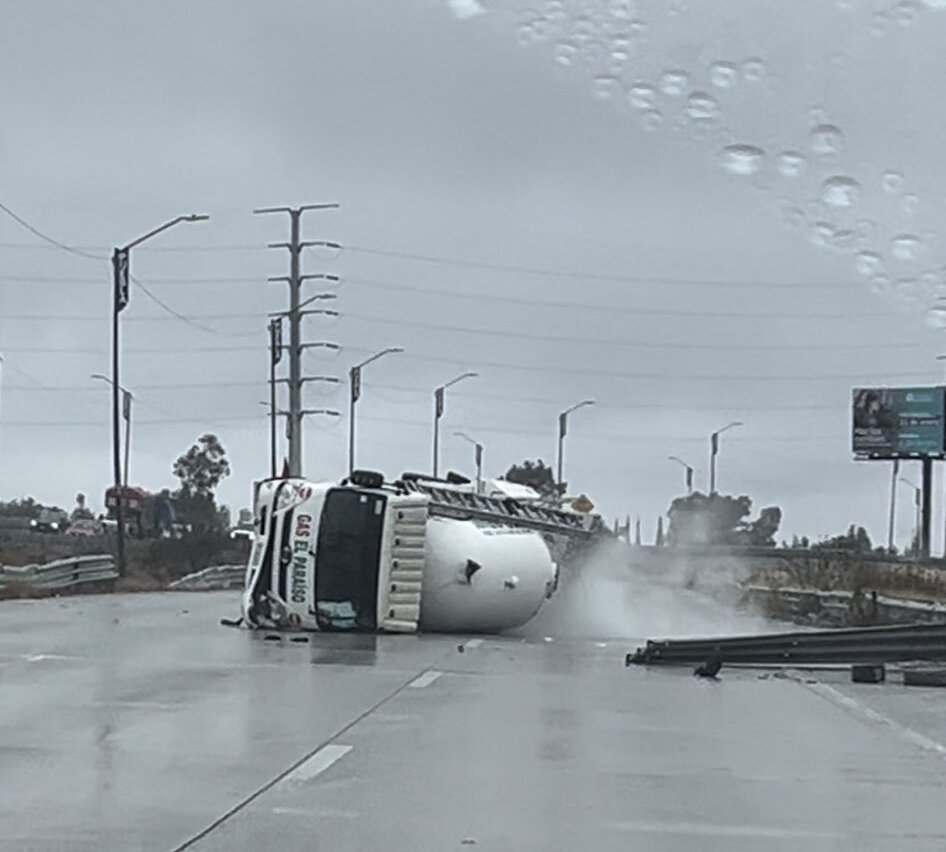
[899,422]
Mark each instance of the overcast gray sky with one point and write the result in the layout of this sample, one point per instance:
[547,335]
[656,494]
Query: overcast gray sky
[468,140]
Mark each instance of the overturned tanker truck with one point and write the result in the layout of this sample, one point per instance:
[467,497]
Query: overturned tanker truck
[366,555]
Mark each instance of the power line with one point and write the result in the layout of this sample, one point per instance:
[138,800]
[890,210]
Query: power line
[34,317]
[177,315]
[547,369]
[425,391]
[482,428]
[614,341]
[46,238]
[539,302]
[629,374]
[137,387]
[590,276]
[465,263]
[533,303]
[481,330]
[645,406]
[156,249]
[82,253]
[192,320]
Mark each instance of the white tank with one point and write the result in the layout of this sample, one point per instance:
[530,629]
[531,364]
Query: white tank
[483,578]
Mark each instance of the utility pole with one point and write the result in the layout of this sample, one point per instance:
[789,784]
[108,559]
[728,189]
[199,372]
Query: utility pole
[121,295]
[295,279]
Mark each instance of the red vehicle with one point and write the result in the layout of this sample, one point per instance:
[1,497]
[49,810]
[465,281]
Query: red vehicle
[136,509]
[146,515]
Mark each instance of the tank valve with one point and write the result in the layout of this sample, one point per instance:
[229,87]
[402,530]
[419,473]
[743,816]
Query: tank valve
[469,570]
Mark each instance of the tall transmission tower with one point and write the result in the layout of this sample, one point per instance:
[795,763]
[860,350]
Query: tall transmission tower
[295,347]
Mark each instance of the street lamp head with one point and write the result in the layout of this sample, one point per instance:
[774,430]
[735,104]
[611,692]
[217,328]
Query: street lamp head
[391,350]
[460,378]
[575,407]
[728,426]
[196,217]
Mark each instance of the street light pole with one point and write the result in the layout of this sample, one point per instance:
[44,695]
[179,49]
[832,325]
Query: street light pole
[689,472]
[714,450]
[478,458]
[438,413]
[562,432]
[121,277]
[354,381]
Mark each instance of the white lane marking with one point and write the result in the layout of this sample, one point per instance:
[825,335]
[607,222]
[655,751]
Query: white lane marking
[861,710]
[703,829]
[315,765]
[318,812]
[473,643]
[426,679]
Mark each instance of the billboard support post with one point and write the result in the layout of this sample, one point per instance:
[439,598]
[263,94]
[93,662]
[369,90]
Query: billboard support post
[927,512]
[893,504]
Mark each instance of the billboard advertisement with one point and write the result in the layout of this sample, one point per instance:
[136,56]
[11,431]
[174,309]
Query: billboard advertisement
[899,422]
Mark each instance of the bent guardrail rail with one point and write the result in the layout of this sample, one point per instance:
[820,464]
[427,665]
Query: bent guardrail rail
[61,574]
[216,577]
[868,645]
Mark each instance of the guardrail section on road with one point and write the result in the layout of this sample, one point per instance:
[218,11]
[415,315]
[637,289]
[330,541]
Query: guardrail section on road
[68,573]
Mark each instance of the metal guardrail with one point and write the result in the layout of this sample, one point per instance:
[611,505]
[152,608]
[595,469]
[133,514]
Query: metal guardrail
[213,578]
[865,645]
[60,574]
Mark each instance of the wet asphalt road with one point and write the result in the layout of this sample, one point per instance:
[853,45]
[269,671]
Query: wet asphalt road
[137,723]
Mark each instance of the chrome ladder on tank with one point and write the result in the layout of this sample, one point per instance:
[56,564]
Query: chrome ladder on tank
[507,511]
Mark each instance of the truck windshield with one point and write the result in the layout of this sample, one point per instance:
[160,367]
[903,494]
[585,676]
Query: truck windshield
[347,556]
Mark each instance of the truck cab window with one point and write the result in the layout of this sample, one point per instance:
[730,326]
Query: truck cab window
[347,560]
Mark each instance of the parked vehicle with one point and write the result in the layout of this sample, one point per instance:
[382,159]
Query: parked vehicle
[50,521]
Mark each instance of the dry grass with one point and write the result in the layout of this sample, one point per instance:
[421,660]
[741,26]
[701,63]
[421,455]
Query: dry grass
[847,573]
